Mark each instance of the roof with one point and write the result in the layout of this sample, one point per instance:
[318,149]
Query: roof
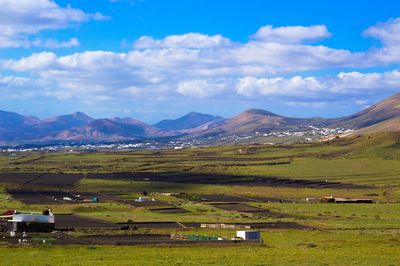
[9,212]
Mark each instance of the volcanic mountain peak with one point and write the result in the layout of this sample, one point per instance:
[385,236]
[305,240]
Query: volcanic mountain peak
[189,121]
[14,119]
[129,121]
[74,117]
[259,112]
[193,114]
[103,129]
[59,123]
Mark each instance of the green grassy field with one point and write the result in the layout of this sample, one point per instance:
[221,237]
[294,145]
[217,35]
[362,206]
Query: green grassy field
[362,160]
[336,234]
[289,247]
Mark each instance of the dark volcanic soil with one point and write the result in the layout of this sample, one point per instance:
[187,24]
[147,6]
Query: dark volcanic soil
[56,179]
[187,177]
[157,203]
[169,210]
[62,179]
[18,178]
[135,239]
[43,179]
[74,221]
[239,207]
[153,224]
[232,198]
[51,197]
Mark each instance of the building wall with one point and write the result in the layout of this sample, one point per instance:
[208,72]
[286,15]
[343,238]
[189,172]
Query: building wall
[30,227]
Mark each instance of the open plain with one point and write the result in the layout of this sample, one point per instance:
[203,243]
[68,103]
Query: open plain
[187,194]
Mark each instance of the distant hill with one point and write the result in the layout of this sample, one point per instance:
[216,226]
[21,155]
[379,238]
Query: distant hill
[384,110]
[254,120]
[114,129]
[60,123]
[381,117]
[15,128]
[11,119]
[190,122]
[391,125]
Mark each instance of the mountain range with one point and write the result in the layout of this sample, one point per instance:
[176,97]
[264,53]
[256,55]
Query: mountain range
[17,129]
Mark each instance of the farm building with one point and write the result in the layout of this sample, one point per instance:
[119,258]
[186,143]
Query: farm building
[346,200]
[29,222]
[249,235]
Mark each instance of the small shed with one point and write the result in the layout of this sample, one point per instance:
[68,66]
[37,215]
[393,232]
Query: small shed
[249,235]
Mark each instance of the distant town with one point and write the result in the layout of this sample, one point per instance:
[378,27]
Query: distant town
[306,134]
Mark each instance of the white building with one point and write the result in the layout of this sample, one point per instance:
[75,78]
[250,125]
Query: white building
[249,235]
[28,221]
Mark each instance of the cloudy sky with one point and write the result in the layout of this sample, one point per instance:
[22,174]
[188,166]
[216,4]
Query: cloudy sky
[155,59]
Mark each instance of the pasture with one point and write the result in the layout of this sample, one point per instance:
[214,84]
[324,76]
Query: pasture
[265,188]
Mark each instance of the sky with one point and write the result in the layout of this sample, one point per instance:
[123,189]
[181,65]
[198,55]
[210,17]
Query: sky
[157,59]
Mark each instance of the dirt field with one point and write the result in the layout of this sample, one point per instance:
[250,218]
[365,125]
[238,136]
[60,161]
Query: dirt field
[51,197]
[56,180]
[239,207]
[44,179]
[74,221]
[127,239]
[169,210]
[62,179]
[186,177]
[277,225]
[65,239]
[18,178]
[135,239]
[269,225]
[154,224]
[148,239]
[157,203]
[230,198]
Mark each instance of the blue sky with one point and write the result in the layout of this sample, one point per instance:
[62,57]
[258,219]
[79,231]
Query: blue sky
[154,59]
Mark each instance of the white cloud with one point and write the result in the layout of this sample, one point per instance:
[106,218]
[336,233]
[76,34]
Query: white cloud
[274,58]
[46,43]
[54,44]
[346,83]
[291,34]
[201,88]
[388,32]
[389,35]
[20,19]
[92,60]
[251,86]
[201,66]
[11,81]
[307,104]
[189,40]
[36,61]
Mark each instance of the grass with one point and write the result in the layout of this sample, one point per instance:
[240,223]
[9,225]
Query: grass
[338,234]
[363,160]
[281,247]
[298,194]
